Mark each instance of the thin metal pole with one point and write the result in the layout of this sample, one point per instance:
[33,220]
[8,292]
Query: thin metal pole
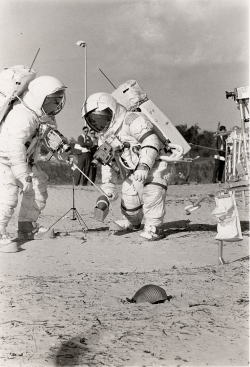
[85,83]
[242,115]
[84,45]
[234,154]
[34,59]
[73,199]
[221,260]
[202,146]
[107,78]
[74,166]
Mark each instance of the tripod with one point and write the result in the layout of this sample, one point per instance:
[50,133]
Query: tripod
[75,214]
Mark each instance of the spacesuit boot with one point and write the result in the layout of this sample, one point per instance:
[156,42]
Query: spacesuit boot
[152,233]
[26,231]
[8,243]
[5,239]
[123,225]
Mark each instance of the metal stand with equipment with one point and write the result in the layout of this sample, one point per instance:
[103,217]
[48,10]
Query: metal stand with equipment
[75,213]
[237,149]
[236,177]
[237,159]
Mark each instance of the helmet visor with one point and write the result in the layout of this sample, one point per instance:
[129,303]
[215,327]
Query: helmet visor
[99,120]
[54,103]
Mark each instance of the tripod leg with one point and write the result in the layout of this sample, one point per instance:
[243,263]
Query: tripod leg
[75,214]
[58,220]
[81,221]
[73,198]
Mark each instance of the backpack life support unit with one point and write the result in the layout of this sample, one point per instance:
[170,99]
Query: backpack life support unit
[14,82]
[133,98]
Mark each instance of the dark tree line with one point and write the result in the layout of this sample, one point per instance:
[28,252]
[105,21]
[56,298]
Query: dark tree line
[195,135]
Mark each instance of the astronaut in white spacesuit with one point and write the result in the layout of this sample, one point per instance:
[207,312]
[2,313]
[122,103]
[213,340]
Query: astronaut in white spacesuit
[20,143]
[134,142]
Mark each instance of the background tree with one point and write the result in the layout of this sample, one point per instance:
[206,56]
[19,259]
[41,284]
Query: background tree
[195,135]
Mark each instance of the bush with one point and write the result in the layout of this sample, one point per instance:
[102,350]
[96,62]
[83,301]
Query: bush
[200,171]
[59,173]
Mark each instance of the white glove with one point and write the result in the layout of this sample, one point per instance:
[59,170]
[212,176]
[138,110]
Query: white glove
[112,196]
[176,155]
[27,185]
[109,190]
[141,173]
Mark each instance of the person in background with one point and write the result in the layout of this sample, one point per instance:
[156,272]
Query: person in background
[83,152]
[93,149]
[219,158]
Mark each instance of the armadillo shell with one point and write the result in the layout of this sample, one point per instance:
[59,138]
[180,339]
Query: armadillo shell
[150,293]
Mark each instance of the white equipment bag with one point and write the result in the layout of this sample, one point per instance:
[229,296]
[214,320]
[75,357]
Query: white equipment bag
[14,82]
[132,97]
[228,222]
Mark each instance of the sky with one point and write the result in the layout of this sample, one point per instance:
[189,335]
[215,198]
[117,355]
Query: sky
[183,53]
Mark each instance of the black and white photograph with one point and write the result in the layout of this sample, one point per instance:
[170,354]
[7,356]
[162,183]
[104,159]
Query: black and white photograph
[124,183]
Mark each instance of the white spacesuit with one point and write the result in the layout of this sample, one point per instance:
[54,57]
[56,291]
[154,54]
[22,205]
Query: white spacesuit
[136,146]
[19,146]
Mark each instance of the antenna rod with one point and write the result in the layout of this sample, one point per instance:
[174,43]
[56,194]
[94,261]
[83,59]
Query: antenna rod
[107,78]
[34,59]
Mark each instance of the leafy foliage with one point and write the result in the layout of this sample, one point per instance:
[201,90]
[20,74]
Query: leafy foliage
[199,170]
[196,136]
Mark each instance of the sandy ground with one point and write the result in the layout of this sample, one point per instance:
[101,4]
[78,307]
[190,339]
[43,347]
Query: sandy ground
[63,299]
